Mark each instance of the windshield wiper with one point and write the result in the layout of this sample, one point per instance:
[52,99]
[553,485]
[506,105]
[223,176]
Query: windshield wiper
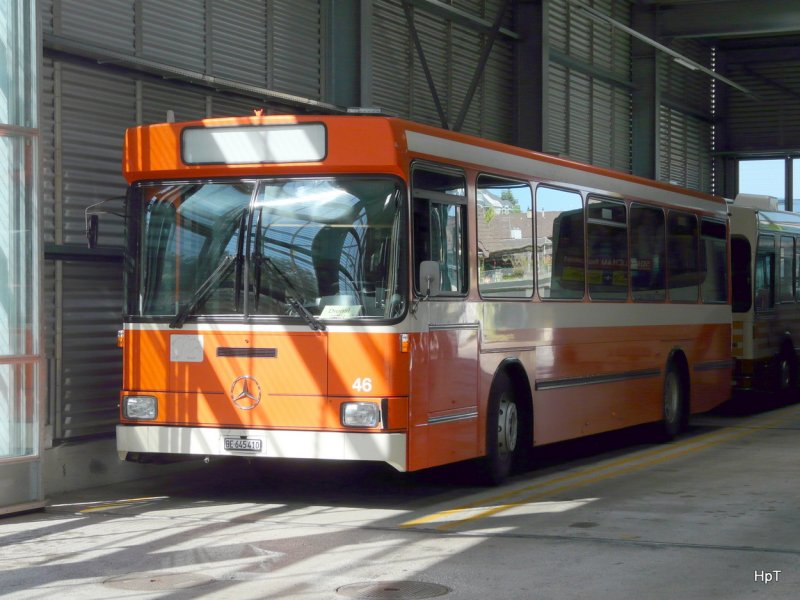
[291,294]
[209,285]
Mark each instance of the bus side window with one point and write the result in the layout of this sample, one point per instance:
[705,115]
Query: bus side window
[560,260]
[682,264]
[786,270]
[505,238]
[797,269]
[607,231]
[713,262]
[440,227]
[648,254]
[765,273]
[741,281]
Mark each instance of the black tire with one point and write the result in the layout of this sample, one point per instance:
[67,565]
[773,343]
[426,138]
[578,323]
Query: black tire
[673,404]
[502,433]
[786,377]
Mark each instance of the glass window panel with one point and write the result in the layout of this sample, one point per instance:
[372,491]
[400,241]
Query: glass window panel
[559,243]
[18,415]
[786,270]
[796,184]
[713,262]
[765,273]
[682,257]
[740,273]
[764,177]
[18,298]
[17,59]
[648,254]
[440,227]
[505,238]
[607,234]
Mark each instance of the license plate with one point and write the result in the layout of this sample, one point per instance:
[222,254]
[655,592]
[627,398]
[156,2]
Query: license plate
[242,444]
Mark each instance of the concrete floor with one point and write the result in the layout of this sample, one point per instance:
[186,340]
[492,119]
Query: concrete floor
[713,514]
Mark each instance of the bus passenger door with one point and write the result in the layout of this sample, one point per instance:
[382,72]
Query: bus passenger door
[446,384]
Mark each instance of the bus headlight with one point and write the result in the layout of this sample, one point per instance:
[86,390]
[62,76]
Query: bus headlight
[143,408]
[361,414]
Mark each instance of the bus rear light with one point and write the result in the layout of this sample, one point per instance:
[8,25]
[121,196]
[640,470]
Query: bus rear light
[141,408]
[404,342]
[361,414]
[120,338]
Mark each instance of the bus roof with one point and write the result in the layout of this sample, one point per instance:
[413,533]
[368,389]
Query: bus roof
[259,146]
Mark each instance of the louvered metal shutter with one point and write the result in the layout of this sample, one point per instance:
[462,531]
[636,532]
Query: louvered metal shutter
[238,40]
[770,122]
[48,145]
[222,106]
[91,363]
[295,47]
[46,12]
[186,103]
[174,33]
[95,108]
[588,117]
[684,150]
[392,59]
[684,131]
[107,23]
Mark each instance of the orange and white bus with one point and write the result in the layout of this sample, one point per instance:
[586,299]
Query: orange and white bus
[765,274]
[368,288]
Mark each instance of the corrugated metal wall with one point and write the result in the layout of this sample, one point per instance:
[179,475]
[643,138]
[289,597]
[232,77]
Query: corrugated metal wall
[86,107]
[587,88]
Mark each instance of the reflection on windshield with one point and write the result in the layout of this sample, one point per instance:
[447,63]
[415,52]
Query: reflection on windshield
[323,248]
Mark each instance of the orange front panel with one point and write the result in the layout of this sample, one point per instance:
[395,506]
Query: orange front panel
[200,373]
[282,363]
[375,357]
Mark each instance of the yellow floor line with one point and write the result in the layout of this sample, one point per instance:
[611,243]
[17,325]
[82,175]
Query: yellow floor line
[571,481]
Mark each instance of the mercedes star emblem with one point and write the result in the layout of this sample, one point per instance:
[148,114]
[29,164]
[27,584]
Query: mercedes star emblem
[245,392]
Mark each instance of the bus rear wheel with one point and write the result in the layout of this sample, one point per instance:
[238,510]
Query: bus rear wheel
[673,402]
[502,433]
[787,374]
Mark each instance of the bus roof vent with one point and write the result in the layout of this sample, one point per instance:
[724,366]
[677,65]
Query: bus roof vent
[757,201]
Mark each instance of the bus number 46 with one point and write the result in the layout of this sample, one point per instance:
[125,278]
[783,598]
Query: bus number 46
[363,384]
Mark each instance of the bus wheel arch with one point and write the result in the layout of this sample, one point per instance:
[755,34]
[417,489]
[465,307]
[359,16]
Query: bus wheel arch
[675,395]
[509,423]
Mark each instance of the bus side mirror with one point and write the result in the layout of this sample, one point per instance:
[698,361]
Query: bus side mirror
[92,223]
[430,278]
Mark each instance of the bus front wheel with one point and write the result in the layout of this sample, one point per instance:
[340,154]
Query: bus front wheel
[502,433]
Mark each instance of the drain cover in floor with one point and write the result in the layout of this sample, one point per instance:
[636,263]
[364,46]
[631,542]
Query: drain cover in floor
[158,581]
[393,590]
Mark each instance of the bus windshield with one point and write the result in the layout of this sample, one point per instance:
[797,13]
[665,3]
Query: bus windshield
[316,249]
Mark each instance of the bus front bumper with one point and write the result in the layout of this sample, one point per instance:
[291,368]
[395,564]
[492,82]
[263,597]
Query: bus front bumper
[207,441]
